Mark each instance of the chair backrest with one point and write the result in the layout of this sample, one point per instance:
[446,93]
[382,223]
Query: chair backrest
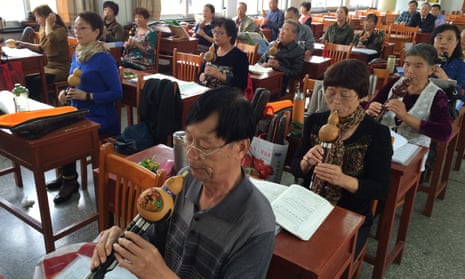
[128,180]
[400,34]
[72,45]
[307,85]
[382,77]
[338,52]
[250,50]
[154,69]
[186,66]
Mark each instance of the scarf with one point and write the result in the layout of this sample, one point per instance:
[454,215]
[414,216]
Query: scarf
[84,53]
[336,154]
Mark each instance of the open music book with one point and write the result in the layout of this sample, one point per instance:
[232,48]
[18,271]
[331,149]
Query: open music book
[403,150]
[297,209]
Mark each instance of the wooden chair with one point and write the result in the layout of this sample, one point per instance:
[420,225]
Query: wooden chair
[307,86]
[400,35]
[154,69]
[382,77]
[186,66]
[338,52]
[139,86]
[390,17]
[120,183]
[250,50]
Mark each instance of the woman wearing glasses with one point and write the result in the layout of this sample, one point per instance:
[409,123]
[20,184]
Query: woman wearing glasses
[53,44]
[360,164]
[98,91]
[230,66]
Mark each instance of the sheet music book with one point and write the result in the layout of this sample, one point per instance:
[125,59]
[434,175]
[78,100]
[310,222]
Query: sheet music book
[403,150]
[179,32]
[297,209]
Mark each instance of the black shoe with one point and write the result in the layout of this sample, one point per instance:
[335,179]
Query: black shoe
[55,184]
[68,188]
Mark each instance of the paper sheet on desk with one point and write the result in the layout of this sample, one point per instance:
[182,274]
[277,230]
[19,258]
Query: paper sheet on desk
[259,69]
[19,52]
[79,269]
[186,88]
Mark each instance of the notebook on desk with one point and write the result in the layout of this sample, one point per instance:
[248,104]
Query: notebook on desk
[403,150]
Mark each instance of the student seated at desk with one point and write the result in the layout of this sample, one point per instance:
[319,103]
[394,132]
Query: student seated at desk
[222,226]
[305,35]
[112,30]
[203,29]
[340,32]
[98,91]
[290,56]
[422,113]
[447,42]
[53,44]
[424,20]
[230,66]
[139,49]
[369,37]
[360,161]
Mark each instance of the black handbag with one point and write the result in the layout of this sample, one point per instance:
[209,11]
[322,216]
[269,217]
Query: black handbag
[39,127]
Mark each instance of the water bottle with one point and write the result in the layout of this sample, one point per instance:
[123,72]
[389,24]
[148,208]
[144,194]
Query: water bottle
[298,108]
[21,97]
[180,159]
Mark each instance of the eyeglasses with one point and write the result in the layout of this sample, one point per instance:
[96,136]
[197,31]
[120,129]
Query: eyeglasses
[345,94]
[203,153]
[218,32]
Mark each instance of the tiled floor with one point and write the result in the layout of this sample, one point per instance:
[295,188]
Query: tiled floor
[435,246]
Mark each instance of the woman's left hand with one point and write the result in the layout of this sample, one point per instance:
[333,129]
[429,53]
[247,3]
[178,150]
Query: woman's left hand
[76,94]
[398,108]
[440,73]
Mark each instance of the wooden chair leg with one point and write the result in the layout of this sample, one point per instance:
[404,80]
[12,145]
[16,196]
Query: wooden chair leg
[84,173]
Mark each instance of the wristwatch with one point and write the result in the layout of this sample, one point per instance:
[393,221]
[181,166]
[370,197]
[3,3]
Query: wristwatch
[89,97]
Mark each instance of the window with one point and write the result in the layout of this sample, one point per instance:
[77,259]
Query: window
[50,3]
[18,10]
[182,8]
[12,10]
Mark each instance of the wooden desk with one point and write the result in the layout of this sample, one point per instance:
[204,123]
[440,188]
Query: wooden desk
[403,186]
[328,254]
[33,63]
[272,81]
[442,165]
[49,152]
[167,44]
[130,95]
[316,66]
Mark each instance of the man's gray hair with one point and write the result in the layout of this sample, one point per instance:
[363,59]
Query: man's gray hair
[295,25]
